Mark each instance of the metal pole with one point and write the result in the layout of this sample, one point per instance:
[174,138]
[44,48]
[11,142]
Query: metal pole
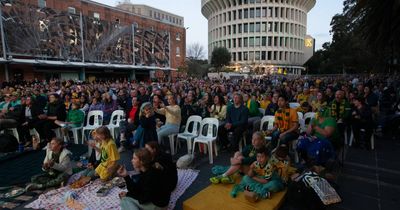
[82,42]
[3,42]
[133,44]
[170,50]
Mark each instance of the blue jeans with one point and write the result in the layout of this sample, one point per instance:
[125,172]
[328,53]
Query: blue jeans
[273,185]
[284,140]
[166,130]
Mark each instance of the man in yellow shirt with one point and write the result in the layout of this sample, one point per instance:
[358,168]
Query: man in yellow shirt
[286,123]
[303,97]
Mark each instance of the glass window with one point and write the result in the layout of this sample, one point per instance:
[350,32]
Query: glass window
[258,27]
[240,14]
[251,42]
[246,13]
[264,41]
[258,12]
[41,3]
[269,28]
[257,42]
[263,55]
[264,27]
[178,52]
[269,41]
[234,29]
[251,27]
[251,56]
[257,55]
[252,13]
[71,10]
[245,56]
[96,15]
[239,56]
[270,9]
[264,12]
[245,42]
[245,27]
[269,55]
[234,15]
[239,28]
[240,42]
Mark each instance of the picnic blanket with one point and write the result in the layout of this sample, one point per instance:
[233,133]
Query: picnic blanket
[87,195]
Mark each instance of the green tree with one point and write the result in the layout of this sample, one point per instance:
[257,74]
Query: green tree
[220,57]
[378,23]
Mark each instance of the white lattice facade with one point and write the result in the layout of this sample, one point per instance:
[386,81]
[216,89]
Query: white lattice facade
[266,34]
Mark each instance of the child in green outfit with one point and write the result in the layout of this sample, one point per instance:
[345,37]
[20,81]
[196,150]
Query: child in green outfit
[241,160]
[266,175]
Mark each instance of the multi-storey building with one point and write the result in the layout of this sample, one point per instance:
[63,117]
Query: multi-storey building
[84,39]
[265,36]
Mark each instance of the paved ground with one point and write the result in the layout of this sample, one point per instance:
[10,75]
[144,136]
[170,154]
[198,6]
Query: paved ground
[369,179]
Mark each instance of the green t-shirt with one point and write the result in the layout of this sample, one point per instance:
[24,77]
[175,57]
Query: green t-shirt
[328,122]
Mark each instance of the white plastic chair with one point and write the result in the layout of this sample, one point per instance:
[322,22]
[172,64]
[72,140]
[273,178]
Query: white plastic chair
[189,135]
[270,120]
[307,118]
[210,138]
[294,105]
[372,138]
[116,118]
[97,116]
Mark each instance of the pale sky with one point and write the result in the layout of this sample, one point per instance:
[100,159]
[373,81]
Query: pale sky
[319,17]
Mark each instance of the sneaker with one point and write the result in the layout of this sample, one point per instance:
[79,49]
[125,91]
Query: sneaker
[216,179]
[251,196]
[227,180]
[121,149]
[268,195]
[33,186]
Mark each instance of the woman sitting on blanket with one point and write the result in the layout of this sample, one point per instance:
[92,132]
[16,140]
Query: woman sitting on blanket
[148,192]
[56,165]
[241,160]
[266,175]
[108,154]
[164,162]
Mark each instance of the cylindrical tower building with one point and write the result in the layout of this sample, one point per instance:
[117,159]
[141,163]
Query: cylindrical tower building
[265,36]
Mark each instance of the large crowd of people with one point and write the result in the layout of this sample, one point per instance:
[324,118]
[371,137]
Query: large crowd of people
[364,104]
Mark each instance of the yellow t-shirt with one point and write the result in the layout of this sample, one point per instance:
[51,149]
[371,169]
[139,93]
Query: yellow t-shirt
[109,153]
[264,172]
[284,117]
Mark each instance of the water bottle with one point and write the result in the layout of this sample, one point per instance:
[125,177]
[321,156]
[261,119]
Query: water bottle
[84,161]
[20,147]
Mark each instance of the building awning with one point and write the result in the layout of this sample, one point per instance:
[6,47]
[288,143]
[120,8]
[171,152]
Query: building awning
[80,64]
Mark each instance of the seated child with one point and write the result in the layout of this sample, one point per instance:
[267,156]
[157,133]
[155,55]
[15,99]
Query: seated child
[108,154]
[241,160]
[265,176]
